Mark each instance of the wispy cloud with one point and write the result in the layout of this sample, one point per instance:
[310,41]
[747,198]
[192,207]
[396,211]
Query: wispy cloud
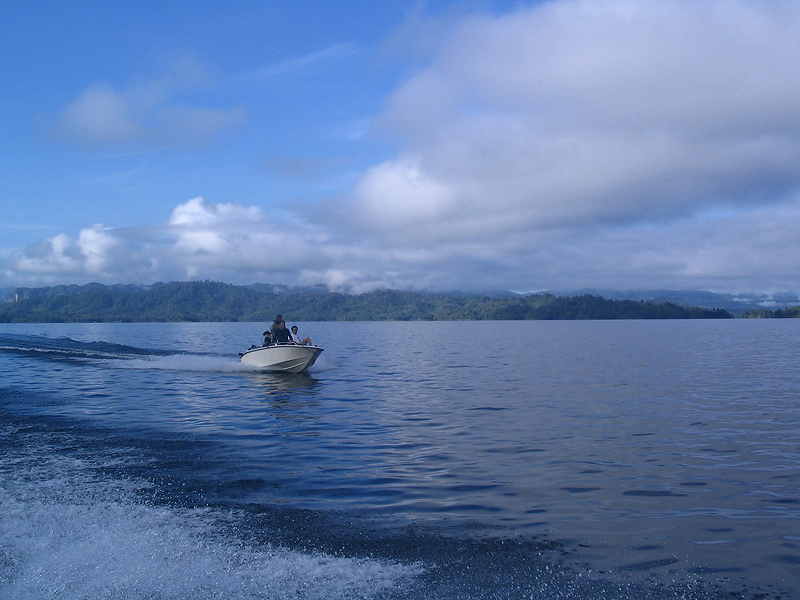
[145,113]
[301,65]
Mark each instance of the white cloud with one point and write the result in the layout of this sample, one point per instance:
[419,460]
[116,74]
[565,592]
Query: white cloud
[408,196]
[579,112]
[200,239]
[91,254]
[232,241]
[199,213]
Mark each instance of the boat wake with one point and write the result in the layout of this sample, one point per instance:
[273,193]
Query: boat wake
[69,349]
[208,363]
[118,356]
[71,532]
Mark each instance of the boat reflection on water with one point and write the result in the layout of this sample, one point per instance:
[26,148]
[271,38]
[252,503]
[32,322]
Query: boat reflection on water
[285,383]
[287,390]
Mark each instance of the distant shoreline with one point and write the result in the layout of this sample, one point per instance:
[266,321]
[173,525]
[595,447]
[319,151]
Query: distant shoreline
[210,301]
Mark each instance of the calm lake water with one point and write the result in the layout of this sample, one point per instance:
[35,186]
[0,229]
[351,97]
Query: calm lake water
[536,460]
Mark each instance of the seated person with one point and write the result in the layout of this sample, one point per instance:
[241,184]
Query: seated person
[306,341]
[267,338]
[281,335]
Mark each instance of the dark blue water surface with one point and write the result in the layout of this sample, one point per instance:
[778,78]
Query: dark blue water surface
[536,460]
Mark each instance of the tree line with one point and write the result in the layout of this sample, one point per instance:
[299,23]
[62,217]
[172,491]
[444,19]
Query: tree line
[221,302]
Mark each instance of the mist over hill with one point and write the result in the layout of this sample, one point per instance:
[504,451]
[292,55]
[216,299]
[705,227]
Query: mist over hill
[734,303]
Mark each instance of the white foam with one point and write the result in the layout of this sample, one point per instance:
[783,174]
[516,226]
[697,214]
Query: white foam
[66,534]
[183,362]
[323,363]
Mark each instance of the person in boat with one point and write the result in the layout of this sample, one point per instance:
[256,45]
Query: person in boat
[281,335]
[306,341]
[267,338]
[274,326]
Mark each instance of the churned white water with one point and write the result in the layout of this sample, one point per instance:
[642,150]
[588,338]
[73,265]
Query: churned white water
[69,532]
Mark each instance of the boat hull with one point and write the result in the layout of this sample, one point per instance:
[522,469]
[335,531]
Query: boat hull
[283,358]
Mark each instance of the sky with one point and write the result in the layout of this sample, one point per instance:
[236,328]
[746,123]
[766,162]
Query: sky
[469,145]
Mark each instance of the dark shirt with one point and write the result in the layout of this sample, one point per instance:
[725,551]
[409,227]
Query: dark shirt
[281,336]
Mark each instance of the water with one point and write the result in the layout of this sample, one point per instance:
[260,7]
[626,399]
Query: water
[537,460]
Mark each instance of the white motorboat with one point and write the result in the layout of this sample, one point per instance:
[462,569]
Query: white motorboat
[286,358]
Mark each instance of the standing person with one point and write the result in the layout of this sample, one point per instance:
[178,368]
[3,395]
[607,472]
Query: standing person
[274,326]
[306,341]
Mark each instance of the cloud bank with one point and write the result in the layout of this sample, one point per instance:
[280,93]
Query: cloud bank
[571,144]
[587,112]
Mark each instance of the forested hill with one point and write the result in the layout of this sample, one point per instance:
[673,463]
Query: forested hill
[214,301]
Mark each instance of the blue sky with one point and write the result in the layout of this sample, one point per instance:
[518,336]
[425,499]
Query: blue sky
[431,145]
